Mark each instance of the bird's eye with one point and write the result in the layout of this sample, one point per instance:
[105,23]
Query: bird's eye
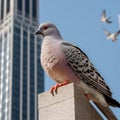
[45,28]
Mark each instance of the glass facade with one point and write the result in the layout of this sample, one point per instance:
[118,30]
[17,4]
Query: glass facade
[8,6]
[4,76]
[24,91]
[32,77]
[2,9]
[34,8]
[21,75]
[27,8]
[16,75]
[28,5]
[19,6]
[40,73]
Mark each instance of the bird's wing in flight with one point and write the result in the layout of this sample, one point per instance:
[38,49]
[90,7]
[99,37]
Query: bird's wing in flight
[106,32]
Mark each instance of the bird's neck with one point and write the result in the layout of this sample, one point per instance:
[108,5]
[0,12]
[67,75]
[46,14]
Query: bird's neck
[53,38]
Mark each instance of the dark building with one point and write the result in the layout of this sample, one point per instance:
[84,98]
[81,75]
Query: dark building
[21,75]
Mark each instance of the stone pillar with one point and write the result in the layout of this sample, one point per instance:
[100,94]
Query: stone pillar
[67,104]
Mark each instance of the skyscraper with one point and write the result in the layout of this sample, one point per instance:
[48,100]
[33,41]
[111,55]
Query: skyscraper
[21,75]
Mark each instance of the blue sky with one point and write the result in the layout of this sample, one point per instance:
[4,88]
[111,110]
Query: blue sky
[79,23]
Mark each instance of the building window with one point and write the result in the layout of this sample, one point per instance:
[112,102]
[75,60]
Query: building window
[8,6]
[27,10]
[24,92]
[16,74]
[19,6]
[32,85]
[34,9]
[40,72]
[2,9]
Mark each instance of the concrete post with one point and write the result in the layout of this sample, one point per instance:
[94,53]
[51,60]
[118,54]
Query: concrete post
[67,104]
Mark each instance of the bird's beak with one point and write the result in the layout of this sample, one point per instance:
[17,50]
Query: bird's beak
[38,32]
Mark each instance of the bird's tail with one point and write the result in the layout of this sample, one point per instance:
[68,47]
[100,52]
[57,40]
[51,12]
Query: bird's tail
[107,112]
[112,102]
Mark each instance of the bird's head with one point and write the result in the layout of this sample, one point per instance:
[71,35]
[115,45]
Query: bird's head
[47,29]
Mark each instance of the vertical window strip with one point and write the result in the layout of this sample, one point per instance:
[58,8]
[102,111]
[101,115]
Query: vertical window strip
[34,9]
[27,8]
[2,9]
[19,6]
[8,6]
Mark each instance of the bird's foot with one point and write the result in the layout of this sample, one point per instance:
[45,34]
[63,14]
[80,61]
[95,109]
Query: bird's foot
[55,87]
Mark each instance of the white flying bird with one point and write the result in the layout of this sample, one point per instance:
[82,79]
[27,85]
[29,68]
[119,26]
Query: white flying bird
[112,36]
[66,63]
[105,18]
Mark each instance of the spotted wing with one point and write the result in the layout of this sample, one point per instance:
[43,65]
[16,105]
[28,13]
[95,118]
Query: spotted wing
[84,69]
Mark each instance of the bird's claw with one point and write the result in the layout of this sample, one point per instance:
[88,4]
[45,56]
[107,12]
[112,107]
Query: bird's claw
[55,87]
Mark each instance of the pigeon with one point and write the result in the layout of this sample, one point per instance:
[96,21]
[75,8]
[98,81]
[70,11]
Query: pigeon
[66,63]
[112,36]
[104,18]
